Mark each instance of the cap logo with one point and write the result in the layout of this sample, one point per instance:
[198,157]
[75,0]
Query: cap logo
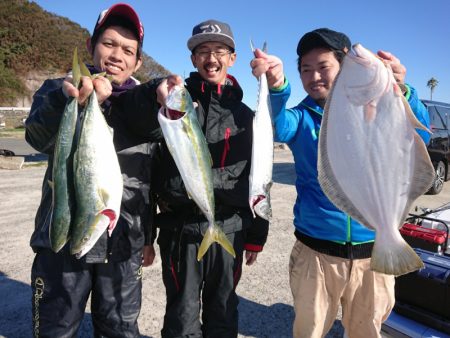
[102,16]
[210,29]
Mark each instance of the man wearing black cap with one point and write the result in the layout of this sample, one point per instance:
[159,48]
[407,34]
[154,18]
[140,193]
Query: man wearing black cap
[208,286]
[330,261]
[111,271]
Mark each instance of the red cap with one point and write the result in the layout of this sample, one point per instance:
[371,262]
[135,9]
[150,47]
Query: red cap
[126,11]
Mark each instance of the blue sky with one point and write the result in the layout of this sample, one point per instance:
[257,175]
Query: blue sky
[416,31]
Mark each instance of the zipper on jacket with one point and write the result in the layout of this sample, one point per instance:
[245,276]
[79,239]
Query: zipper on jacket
[349,235]
[226,147]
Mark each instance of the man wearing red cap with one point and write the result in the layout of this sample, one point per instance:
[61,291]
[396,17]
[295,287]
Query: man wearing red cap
[111,271]
[330,261]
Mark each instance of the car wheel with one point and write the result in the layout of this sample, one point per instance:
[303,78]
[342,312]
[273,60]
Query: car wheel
[439,180]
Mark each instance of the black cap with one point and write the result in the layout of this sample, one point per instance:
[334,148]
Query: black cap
[323,37]
[125,11]
[211,31]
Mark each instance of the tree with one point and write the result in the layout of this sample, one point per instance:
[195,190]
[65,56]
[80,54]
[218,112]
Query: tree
[432,83]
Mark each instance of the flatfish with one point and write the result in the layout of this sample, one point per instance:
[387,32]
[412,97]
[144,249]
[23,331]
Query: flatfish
[372,163]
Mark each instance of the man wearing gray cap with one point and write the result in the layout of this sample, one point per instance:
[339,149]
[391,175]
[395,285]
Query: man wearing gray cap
[227,124]
[330,261]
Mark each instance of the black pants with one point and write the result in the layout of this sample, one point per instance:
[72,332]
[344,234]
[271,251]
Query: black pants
[208,285]
[61,285]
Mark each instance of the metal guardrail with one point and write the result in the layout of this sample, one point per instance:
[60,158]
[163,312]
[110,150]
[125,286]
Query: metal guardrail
[15,109]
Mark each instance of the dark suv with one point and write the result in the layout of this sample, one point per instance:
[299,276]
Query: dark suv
[439,146]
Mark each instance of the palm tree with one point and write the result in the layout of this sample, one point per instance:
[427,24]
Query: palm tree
[432,83]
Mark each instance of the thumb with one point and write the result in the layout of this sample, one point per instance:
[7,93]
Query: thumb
[260,54]
[385,55]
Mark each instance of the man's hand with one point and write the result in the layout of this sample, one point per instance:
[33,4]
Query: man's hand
[101,84]
[165,86]
[250,257]
[398,69]
[103,88]
[148,255]
[269,64]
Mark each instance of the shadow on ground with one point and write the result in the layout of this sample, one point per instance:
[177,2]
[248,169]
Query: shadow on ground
[261,321]
[15,312]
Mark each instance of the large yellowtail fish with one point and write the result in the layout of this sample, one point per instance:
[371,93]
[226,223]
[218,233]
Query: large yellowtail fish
[189,149]
[260,179]
[62,184]
[98,180]
[372,163]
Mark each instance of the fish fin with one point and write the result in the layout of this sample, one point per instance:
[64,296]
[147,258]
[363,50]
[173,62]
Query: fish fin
[423,175]
[252,45]
[104,197]
[84,70]
[215,234]
[412,118]
[76,73]
[370,111]
[394,258]
[264,47]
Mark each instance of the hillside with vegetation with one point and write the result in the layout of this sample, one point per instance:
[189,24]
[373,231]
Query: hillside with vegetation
[36,44]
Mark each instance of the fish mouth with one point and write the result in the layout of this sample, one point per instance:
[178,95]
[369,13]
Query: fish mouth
[357,54]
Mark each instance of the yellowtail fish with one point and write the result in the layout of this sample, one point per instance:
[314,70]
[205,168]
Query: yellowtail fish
[98,180]
[62,176]
[189,149]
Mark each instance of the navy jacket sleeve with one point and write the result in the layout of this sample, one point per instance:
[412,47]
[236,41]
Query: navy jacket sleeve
[45,116]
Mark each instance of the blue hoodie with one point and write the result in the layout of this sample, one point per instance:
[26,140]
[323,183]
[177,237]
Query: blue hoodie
[314,214]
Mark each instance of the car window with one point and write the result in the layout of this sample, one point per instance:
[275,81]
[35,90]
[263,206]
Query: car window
[444,112]
[436,122]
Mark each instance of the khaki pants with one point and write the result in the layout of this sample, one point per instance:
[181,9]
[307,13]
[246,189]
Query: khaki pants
[319,283]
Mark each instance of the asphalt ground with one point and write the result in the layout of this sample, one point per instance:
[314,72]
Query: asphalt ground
[265,308]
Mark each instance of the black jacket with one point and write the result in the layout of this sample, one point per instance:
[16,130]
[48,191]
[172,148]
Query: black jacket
[135,154]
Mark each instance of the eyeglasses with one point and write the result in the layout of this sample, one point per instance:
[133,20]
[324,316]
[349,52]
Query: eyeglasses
[218,54]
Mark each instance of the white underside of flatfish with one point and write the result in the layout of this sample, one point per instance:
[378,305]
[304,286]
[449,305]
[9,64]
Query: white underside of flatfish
[372,163]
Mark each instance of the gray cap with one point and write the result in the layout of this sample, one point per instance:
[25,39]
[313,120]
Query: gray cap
[211,31]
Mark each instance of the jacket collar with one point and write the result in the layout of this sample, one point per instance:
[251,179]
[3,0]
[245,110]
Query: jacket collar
[200,88]
[312,105]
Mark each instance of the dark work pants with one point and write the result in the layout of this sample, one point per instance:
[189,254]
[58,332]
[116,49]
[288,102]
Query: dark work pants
[61,285]
[193,286]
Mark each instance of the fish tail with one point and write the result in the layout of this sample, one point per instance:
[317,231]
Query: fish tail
[215,234]
[396,259]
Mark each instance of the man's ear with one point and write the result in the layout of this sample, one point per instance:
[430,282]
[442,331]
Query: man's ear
[193,60]
[138,64]
[89,46]
[232,59]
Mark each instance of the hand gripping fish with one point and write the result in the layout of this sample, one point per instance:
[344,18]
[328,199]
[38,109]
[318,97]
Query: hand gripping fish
[98,179]
[189,149]
[372,163]
[62,182]
[260,178]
